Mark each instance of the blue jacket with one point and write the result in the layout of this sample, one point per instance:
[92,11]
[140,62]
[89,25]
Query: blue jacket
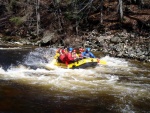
[88,54]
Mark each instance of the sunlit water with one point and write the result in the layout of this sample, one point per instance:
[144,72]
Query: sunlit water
[121,86]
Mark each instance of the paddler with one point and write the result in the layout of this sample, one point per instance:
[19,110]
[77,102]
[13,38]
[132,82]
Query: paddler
[81,50]
[88,54]
[75,55]
[69,57]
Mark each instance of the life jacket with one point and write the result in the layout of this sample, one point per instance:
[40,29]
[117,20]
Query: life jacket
[62,56]
[86,54]
[69,57]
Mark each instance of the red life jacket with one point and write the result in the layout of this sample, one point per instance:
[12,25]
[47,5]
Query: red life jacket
[62,56]
[69,57]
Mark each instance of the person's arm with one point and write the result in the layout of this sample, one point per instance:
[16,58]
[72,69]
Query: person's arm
[83,54]
[92,55]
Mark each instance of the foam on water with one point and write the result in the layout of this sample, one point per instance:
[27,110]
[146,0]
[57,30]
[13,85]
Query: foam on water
[10,48]
[111,61]
[64,79]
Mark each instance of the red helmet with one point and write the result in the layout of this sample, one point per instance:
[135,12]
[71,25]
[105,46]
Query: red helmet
[63,51]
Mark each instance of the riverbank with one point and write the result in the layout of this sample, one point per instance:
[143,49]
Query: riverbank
[123,44]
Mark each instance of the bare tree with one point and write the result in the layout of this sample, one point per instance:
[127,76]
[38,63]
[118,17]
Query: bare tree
[140,3]
[58,14]
[78,10]
[120,10]
[77,23]
[101,8]
[38,17]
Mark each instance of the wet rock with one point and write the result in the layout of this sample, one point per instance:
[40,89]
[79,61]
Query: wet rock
[115,39]
[120,47]
[120,54]
[47,38]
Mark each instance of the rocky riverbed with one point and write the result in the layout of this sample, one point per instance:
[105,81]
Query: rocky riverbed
[124,45]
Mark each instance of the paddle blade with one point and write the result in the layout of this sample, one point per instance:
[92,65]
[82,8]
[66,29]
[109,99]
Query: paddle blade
[102,62]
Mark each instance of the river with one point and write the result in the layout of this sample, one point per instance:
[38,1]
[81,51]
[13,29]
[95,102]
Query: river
[121,86]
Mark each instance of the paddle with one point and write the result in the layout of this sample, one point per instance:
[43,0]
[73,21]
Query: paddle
[102,62]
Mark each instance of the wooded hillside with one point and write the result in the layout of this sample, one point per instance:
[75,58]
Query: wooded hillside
[32,19]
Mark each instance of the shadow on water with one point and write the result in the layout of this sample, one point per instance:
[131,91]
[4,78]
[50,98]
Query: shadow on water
[12,57]
[17,98]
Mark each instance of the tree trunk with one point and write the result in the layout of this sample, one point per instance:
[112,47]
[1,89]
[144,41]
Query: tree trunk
[38,17]
[59,15]
[101,8]
[120,10]
[140,3]
[75,9]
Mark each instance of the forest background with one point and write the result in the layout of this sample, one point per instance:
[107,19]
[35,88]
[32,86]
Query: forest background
[104,25]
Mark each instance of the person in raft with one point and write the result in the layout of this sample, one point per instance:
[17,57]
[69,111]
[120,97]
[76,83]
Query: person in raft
[81,50]
[57,54]
[88,54]
[75,55]
[69,56]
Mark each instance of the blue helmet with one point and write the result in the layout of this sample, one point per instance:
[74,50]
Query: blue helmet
[70,49]
[88,49]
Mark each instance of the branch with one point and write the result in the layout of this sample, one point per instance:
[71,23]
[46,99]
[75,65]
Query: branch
[85,6]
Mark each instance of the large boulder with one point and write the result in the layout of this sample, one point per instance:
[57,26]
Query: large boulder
[47,37]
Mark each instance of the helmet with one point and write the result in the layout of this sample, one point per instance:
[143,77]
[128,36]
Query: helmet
[62,51]
[88,49]
[70,49]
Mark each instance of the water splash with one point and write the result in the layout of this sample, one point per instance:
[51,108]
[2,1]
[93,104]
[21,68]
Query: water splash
[111,61]
[39,57]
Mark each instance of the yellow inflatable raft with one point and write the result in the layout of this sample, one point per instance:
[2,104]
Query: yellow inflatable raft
[83,63]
